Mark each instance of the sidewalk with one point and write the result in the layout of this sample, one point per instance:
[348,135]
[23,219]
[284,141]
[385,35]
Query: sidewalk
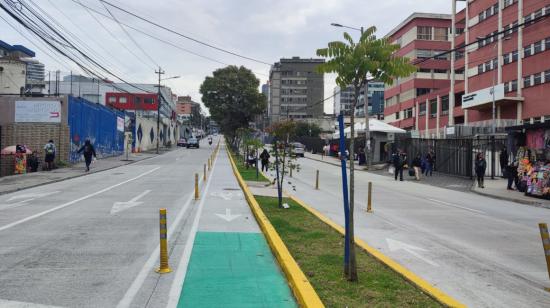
[493,188]
[231,264]
[9,184]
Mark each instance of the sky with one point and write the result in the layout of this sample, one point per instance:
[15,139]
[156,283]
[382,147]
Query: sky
[266,30]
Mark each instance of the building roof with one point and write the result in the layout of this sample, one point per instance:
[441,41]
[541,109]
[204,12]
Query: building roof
[20,48]
[415,16]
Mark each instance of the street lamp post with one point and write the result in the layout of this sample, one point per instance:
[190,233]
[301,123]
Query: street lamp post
[159,102]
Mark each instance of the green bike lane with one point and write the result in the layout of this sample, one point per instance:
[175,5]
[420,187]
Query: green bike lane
[230,264]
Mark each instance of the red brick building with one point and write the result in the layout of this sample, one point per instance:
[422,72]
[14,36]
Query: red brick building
[501,52]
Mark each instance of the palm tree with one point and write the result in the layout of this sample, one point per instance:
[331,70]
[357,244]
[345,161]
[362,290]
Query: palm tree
[353,62]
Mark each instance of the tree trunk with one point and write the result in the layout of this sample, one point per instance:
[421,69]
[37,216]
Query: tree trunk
[352,273]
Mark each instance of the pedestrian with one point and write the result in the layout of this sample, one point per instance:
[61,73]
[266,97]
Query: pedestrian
[416,164]
[398,164]
[210,140]
[480,167]
[504,162]
[264,158]
[430,160]
[362,156]
[50,150]
[251,159]
[88,150]
[512,174]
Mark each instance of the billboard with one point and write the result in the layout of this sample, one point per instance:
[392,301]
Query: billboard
[38,111]
[482,96]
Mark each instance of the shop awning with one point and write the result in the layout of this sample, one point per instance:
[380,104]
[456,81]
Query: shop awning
[374,126]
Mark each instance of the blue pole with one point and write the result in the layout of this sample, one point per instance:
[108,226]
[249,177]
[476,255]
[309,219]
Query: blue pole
[342,150]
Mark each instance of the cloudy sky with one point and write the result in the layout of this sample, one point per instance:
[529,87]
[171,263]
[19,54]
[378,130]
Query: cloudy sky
[266,30]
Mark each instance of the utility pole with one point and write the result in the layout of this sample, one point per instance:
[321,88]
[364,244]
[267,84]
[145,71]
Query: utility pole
[159,72]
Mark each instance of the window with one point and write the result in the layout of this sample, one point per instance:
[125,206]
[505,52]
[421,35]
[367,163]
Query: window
[424,70]
[514,55]
[506,58]
[537,79]
[440,34]
[459,31]
[514,85]
[423,54]
[495,64]
[397,115]
[527,51]
[422,91]
[441,54]
[433,108]
[547,76]
[480,69]
[538,13]
[538,47]
[459,71]
[481,16]
[527,19]
[424,33]
[440,71]
[526,81]
[408,113]
[495,8]
[148,100]
[112,99]
[547,42]
[507,3]
[422,109]
[445,105]
[122,100]
[488,66]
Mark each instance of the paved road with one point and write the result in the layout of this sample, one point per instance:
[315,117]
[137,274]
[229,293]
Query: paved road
[482,251]
[68,244]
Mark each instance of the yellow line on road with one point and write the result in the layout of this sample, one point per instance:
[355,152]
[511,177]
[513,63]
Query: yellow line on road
[300,285]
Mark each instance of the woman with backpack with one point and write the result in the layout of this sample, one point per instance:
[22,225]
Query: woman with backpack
[88,150]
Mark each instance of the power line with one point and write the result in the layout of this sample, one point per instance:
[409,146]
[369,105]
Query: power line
[183,35]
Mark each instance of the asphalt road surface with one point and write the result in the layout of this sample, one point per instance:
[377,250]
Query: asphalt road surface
[482,251]
[93,241]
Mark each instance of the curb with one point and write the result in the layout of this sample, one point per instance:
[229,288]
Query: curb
[420,283]
[300,285]
[75,176]
[526,202]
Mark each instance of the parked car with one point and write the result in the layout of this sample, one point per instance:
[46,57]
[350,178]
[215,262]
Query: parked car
[182,142]
[298,149]
[193,142]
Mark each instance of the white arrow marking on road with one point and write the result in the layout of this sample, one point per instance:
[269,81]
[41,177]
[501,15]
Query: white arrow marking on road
[121,206]
[32,195]
[227,195]
[395,245]
[228,217]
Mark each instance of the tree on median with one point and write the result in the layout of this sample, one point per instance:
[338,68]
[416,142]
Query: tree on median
[231,94]
[353,62]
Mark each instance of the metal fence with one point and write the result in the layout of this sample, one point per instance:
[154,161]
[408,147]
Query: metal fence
[456,156]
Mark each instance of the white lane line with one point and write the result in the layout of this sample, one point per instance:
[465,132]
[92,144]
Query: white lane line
[13,224]
[456,206]
[14,304]
[179,278]
[16,204]
[147,268]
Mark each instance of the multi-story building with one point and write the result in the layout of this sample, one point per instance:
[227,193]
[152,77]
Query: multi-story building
[296,89]
[420,36]
[343,100]
[19,73]
[499,47]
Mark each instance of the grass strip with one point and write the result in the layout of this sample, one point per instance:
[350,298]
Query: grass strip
[318,250]
[248,174]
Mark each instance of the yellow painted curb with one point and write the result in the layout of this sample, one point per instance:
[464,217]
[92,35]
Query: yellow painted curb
[425,286]
[302,289]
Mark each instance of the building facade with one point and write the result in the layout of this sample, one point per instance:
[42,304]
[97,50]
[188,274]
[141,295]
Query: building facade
[19,72]
[296,90]
[497,76]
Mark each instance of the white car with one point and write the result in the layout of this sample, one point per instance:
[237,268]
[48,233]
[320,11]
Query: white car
[193,142]
[298,149]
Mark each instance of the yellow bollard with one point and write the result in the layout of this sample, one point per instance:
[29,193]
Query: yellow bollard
[209,164]
[204,173]
[317,180]
[546,245]
[369,201]
[164,267]
[196,186]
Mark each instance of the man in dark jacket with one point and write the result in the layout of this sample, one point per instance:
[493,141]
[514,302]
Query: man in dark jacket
[88,150]
[398,163]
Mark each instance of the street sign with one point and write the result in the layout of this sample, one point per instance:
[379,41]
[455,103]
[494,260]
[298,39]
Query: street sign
[38,111]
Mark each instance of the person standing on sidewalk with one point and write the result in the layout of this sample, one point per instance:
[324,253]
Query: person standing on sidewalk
[88,150]
[512,175]
[416,164]
[362,156]
[480,167]
[264,158]
[50,150]
[430,160]
[398,164]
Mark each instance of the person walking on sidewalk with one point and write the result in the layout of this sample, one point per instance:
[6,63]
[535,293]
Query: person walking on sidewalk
[504,162]
[398,163]
[88,150]
[264,158]
[362,156]
[480,167]
[416,164]
[512,175]
[50,150]
[430,160]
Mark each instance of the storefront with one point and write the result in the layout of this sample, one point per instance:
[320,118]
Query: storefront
[529,146]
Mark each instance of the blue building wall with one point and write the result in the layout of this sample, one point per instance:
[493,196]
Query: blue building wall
[97,123]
